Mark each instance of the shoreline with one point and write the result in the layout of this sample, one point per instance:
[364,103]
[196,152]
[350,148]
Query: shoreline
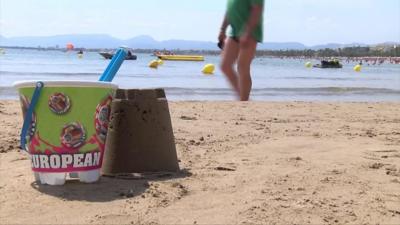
[321,95]
[378,57]
[256,162]
[324,101]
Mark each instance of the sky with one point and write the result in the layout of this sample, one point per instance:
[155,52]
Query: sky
[310,22]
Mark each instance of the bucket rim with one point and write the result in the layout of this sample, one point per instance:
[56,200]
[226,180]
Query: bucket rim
[64,83]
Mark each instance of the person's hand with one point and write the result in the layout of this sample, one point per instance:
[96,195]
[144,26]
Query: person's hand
[221,38]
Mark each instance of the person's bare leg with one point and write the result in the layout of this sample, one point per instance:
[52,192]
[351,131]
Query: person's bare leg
[246,56]
[229,57]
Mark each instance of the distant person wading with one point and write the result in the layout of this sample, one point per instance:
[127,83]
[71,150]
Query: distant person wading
[245,18]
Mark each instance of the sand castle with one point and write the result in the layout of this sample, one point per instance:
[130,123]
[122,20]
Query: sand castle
[140,136]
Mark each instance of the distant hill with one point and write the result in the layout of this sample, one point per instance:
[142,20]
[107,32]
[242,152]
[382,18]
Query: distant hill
[282,46]
[105,41]
[145,42]
[337,46]
[81,40]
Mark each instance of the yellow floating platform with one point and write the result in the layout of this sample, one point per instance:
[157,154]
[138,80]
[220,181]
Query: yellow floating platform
[182,57]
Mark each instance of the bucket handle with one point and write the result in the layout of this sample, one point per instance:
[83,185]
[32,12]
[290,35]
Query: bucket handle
[29,113]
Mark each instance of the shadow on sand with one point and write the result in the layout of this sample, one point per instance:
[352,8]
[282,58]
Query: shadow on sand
[107,188]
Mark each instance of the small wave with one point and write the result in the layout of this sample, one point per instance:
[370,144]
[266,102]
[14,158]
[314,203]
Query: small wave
[329,78]
[50,74]
[8,93]
[295,91]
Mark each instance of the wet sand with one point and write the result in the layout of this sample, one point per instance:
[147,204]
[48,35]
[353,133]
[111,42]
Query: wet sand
[242,163]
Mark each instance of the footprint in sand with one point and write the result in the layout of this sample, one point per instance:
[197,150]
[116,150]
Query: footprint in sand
[391,170]
[381,154]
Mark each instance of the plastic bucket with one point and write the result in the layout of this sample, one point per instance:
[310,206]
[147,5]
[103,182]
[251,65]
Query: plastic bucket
[68,129]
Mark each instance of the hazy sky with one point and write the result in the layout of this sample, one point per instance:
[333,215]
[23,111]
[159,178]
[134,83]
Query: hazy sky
[307,21]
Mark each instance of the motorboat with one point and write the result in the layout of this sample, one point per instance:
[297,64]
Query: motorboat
[333,64]
[109,55]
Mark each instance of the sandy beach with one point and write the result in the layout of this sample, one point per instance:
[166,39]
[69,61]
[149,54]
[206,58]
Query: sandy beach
[242,163]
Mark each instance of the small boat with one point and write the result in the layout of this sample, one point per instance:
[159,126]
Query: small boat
[109,55]
[181,57]
[334,64]
[80,54]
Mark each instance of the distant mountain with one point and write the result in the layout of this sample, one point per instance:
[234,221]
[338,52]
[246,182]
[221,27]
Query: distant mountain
[143,42]
[186,45]
[387,44]
[282,46]
[105,41]
[146,42]
[81,40]
[337,46]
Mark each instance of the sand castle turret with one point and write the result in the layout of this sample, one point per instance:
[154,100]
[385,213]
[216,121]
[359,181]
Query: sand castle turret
[140,137]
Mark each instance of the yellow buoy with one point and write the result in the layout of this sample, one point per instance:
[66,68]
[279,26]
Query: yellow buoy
[357,68]
[208,69]
[308,64]
[160,62]
[153,64]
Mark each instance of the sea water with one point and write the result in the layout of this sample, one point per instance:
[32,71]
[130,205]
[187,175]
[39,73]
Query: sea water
[274,79]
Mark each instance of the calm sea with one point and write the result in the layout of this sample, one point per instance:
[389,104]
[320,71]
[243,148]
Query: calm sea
[273,79]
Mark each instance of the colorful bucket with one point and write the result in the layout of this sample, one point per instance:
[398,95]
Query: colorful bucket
[69,124]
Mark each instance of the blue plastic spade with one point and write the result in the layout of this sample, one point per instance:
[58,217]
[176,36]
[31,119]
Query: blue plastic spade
[114,65]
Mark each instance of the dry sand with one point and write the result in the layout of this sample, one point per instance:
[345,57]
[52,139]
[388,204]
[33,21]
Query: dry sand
[275,163]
